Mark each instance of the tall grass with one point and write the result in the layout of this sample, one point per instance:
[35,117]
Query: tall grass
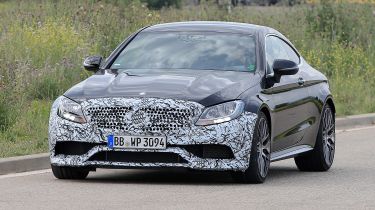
[43,43]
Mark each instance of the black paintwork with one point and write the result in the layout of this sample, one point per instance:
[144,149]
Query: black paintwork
[202,86]
[92,63]
[294,103]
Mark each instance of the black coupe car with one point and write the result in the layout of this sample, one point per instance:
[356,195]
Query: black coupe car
[199,95]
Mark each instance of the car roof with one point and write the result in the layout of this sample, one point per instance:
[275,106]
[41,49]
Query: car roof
[211,26]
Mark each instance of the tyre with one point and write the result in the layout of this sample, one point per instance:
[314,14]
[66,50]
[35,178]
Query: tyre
[69,172]
[321,157]
[260,154]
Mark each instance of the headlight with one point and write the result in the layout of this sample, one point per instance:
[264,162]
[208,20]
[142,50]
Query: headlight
[71,110]
[221,113]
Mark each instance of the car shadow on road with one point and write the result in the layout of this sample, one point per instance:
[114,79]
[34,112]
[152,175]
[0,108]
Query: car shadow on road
[181,176]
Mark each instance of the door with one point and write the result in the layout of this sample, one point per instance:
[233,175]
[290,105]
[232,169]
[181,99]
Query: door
[288,99]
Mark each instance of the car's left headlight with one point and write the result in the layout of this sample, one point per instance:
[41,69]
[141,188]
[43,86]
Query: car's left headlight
[71,110]
[221,113]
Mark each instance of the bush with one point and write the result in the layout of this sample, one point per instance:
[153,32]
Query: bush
[7,113]
[4,115]
[346,23]
[158,4]
[46,88]
[42,43]
[350,72]
[29,134]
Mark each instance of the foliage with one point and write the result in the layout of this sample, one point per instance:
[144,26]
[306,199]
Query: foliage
[28,135]
[340,22]
[158,4]
[5,113]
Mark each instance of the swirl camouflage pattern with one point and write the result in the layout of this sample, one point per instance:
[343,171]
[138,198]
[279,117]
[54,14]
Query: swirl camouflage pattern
[237,134]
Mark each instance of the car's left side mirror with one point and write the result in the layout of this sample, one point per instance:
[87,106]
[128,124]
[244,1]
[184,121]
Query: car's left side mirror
[92,63]
[284,67]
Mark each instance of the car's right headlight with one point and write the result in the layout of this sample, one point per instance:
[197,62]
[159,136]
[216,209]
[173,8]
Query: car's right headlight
[71,110]
[221,113]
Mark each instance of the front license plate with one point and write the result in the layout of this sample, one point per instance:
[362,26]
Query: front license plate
[137,142]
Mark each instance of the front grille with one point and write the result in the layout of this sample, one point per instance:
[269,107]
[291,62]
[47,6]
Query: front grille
[109,117]
[145,119]
[138,157]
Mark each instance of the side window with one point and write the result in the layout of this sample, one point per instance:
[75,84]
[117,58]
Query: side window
[276,48]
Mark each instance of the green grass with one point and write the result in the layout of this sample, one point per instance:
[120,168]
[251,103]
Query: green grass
[43,44]
[29,134]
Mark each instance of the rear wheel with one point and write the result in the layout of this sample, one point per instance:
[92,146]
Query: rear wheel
[62,172]
[260,154]
[321,158]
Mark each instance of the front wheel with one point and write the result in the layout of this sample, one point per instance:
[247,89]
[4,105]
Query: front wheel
[321,157]
[63,172]
[260,154]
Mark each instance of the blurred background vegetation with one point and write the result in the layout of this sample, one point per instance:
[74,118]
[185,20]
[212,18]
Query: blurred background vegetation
[43,44]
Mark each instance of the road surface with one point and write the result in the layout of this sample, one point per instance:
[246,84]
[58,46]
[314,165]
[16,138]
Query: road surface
[350,184]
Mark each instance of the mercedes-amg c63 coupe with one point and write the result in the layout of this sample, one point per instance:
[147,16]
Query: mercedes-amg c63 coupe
[199,95]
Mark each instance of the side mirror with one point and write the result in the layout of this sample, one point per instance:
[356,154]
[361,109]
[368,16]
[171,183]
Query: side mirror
[92,63]
[284,67]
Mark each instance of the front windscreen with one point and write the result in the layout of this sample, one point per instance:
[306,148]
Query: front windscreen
[189,50]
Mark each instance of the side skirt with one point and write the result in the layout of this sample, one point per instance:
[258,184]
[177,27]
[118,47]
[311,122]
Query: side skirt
[290,152]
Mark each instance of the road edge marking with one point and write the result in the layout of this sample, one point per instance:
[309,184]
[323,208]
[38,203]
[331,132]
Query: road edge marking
[354,129]
[28,173]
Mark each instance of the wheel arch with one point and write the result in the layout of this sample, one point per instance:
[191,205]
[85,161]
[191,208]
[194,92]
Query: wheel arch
[329,101]
[267,111]
[264,108]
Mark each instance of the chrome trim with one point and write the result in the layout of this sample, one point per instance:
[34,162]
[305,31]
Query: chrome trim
[290,152]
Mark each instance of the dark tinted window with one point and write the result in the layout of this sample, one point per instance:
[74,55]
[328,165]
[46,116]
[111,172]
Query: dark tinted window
[189,50]
[276,48]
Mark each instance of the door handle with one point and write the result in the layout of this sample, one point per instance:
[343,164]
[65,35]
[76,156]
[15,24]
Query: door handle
[301,81]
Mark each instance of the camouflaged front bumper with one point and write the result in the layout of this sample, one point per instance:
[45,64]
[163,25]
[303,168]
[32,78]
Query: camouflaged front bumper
[236,134]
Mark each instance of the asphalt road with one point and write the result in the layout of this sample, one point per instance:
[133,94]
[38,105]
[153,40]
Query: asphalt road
[350,184]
